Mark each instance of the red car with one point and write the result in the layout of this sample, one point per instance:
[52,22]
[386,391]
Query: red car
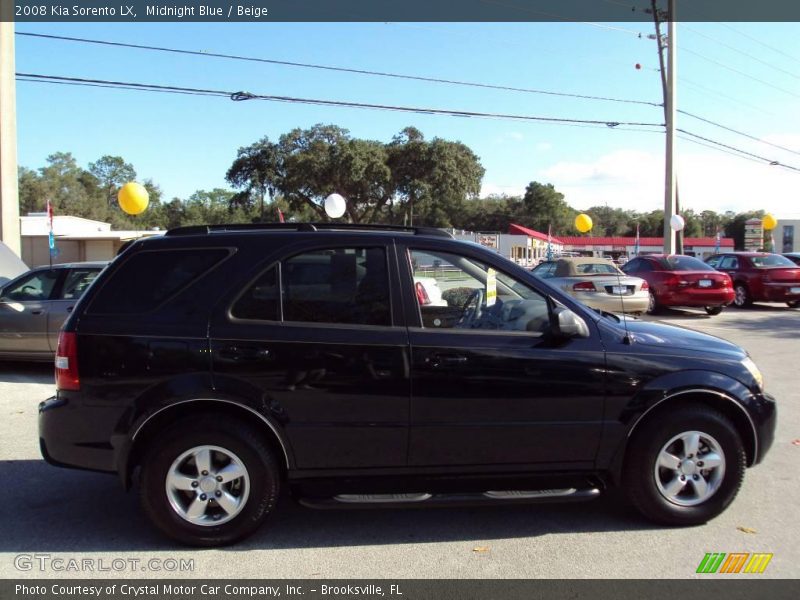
[760,276]
[677,280]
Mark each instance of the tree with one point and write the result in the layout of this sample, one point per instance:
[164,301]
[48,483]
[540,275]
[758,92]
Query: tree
[112,172]
[380,182]
[545,207]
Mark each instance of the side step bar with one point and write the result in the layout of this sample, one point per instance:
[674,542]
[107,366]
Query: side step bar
[345,501]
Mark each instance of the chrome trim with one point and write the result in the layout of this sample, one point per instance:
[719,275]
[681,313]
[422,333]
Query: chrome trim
[706,391]
[256,413]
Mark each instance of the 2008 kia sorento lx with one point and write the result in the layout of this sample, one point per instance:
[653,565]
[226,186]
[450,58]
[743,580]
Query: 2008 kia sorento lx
[225,363]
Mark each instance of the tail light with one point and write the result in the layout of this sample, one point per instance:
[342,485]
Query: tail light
[645,286]
[726,282]
[584,286]
[422,295]
[67,362]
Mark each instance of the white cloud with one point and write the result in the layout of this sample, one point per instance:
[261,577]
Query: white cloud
[543,146]
[492,189]
[509,136]
[633,179]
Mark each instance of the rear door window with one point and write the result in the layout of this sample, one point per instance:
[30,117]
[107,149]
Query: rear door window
[150,278]
[729,263]
[338,286]
[76,283]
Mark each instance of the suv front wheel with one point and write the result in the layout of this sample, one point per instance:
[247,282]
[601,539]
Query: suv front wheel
[209,481]
[684,467]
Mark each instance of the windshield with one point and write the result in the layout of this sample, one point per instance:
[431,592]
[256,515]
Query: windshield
[684,263]
[771,260]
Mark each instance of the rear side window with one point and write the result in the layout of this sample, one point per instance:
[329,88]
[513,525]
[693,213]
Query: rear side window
[76,283]
[342,285]
[149,278]
[685,263]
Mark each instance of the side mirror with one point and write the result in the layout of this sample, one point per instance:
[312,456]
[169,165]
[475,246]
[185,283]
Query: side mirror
[569,325]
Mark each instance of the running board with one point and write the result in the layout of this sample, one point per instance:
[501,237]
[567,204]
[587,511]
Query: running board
[493,497]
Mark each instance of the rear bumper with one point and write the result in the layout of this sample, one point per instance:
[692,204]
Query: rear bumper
[637,303]
[779,292]
[697,297]
[68,437]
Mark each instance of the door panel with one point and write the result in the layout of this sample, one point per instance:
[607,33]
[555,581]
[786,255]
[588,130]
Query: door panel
[320,338]
[24,308]
[499,388]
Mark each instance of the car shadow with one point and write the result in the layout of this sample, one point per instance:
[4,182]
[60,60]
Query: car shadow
[26,372]
[64,510]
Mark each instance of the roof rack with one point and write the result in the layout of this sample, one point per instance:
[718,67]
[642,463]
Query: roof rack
[206,229]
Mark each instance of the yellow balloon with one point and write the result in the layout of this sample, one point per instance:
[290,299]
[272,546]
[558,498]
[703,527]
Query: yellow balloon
[133,198]
[583,223]
[769,222]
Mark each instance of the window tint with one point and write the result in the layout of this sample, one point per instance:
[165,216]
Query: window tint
[685,263]
[596,269]
[714,261]
[35,287]
[76,283]
[260,301]
[771,260]
[456,292]
[729,262]
[149,278]
[545,270]
[337,286]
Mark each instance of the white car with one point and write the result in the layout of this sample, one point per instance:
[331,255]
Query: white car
[428,292]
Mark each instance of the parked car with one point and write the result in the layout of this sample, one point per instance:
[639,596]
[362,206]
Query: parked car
[760,277]
[598,283]
[205,361]
[35,305]
[677,280]
[793,256]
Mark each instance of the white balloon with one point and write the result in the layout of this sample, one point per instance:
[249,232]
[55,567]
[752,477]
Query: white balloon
[676,222]
[335,205]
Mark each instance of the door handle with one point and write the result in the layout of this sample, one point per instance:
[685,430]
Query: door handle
[69,308]
[446,360]
[244,353]
[37,311]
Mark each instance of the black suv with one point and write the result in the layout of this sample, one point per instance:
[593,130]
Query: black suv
[366,365]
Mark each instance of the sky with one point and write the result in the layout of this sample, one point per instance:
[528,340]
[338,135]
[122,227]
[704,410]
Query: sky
[745,76]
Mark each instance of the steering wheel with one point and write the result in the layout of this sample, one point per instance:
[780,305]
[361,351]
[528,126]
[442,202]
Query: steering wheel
[472,313]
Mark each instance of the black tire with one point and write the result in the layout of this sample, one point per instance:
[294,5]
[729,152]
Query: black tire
[742,297]
[231,435]
[639,476]
[654,306]
[713,310]
[793,303]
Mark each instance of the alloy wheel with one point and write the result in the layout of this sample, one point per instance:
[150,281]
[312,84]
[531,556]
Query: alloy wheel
[690,468]
[207,485]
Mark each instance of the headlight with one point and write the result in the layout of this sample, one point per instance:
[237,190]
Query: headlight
[754,371]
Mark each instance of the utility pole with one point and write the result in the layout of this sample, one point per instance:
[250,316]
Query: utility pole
[668,83]
[9,191]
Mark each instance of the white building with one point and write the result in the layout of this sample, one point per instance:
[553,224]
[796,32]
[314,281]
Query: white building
[77,239]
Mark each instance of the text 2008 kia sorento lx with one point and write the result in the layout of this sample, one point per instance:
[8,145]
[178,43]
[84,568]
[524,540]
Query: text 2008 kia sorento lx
[224,363]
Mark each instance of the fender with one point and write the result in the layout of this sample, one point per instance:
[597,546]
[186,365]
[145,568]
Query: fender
[181,393]
[622,419]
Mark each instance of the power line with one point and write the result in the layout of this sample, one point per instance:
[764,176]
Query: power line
[747,135]
[770,161]
[718,149]
[336,69]
[724,66]
[747,54]
[723,95]
[757,41]
[242,96]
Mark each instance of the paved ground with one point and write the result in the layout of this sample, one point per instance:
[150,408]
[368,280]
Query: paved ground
[73,514]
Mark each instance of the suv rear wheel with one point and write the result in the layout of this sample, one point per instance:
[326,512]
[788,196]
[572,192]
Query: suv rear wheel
[209,481]
[684,467]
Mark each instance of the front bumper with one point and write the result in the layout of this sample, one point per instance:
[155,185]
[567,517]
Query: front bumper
[764,415]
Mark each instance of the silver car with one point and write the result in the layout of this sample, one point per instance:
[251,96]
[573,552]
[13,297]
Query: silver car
[597,282]
[35,305]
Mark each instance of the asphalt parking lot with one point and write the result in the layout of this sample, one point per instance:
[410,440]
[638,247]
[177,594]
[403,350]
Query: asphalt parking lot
[74,514]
